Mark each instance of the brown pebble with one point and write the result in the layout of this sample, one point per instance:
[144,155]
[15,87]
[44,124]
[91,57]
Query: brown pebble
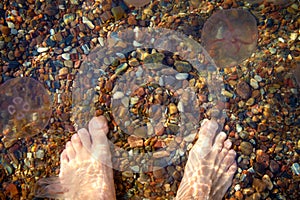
[172,108]
[140,131]
[255,94]
[135,141]
[243,90]
[17,53]
[51,9]
[161,154]
[159,144]
[239,195]
[106,16]
[259,185]
[11,190]
[63,71]
[118,12]
[137,3]
[159,129]
[202,98]
[274,166]
[5,30]
[131,20]
[159,172]
[246,148]
[262,158]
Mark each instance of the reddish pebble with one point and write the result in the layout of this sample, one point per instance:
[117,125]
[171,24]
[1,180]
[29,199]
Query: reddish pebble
[131,20]
[5,30]
[262,158]
[274,166]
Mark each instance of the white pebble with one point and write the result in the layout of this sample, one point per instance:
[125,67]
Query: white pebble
[65,56]
[180,107]
[29,155]
[52,32]
[86,49]
[42,49]
[10,25]
[254,83]
[88,22]
[40,154]
[258,78]
[237,187]
[181,76]
[120,55]
[239,128]
[101,41]
[136,44]
[67,49]
[118,95]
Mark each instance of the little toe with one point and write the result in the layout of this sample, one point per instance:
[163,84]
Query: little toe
[64,156]
[224,182]
[70,151]
[224,151]
[64,160]
[228,160]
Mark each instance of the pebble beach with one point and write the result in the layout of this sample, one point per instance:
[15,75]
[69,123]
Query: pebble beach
[59,42]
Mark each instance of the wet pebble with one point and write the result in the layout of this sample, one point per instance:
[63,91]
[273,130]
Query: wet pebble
[246,148]
[42,49]
[267,180]
[63,71]
[161,154]
[181,76]
[296,168]
[259,185]
[274,166]
[243,90]
[254,83]
[86,21]
[135,141]
[182,67]
[172,108]
[118,12]
[263,158]
[118,95]
[159,173]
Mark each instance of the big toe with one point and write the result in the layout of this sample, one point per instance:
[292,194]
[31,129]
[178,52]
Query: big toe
[206,137]
[98,130]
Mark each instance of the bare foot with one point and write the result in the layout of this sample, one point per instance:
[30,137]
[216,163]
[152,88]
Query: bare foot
[210,167]
[83,175]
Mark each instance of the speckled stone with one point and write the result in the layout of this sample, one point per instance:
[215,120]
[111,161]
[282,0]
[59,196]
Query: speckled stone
[246,148]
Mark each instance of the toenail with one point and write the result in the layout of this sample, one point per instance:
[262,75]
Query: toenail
[99,123]
[232,152]
[227,143]
[223,135]
[75,136]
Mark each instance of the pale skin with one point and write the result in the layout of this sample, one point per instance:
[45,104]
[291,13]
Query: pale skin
[208,173]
